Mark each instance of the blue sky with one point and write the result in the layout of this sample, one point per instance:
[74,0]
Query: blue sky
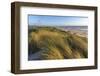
[57,20]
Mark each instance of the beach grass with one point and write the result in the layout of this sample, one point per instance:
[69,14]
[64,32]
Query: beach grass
[54,43]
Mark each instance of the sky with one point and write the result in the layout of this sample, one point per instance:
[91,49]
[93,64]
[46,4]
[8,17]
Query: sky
[57,20]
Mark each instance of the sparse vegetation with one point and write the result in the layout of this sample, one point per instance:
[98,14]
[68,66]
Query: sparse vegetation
[54,43]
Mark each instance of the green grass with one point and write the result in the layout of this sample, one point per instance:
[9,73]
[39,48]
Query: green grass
[57,44]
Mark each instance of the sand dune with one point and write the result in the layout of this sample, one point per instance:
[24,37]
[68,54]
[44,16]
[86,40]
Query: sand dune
[53,43]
